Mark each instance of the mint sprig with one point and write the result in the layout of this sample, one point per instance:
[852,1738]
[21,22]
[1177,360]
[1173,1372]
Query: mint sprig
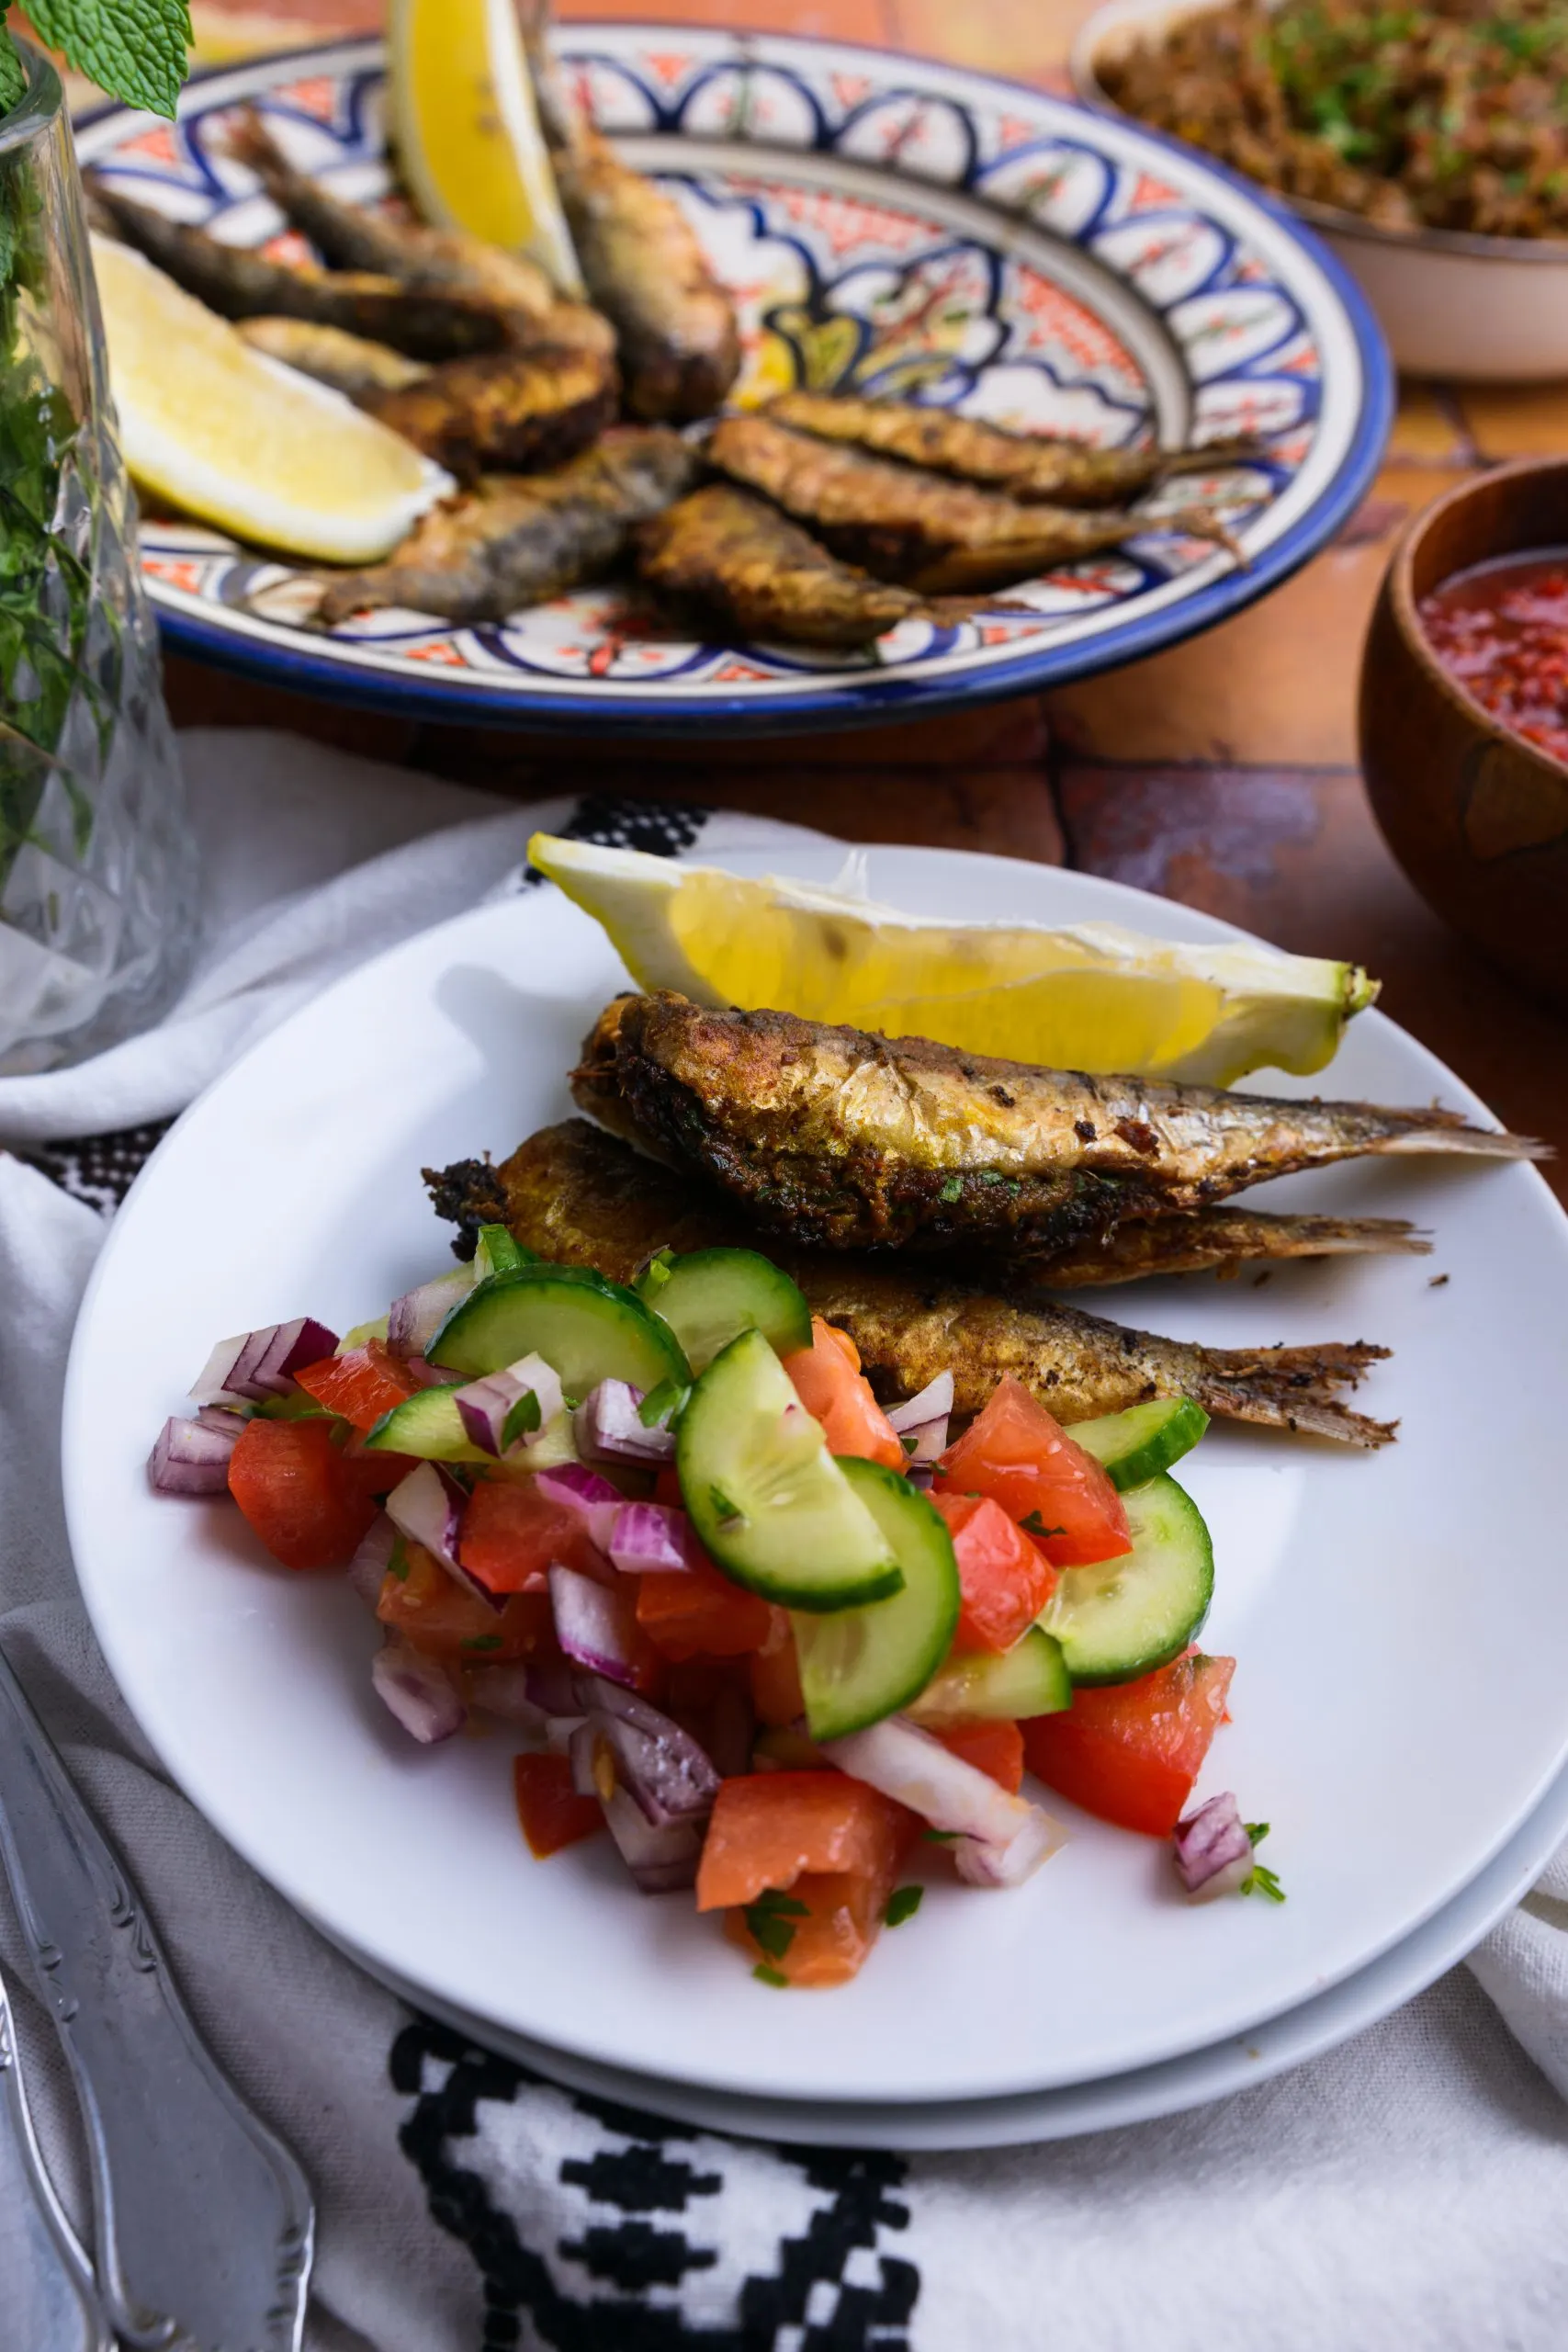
[136,50]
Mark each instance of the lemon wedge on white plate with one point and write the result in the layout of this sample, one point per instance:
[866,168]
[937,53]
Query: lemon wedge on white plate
[1092,997]
[255,447]
[466,129]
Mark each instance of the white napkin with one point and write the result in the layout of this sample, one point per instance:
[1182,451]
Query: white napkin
[1406,2192]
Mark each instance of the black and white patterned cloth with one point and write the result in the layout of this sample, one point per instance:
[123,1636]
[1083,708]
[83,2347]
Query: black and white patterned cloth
[1405,2192]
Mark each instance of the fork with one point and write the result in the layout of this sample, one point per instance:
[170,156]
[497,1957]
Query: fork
[47,2295]
[202,2221]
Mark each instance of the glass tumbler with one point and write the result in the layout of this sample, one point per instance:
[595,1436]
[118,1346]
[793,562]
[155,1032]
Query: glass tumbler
[97,862]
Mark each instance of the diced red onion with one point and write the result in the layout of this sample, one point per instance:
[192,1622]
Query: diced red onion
[581,1748]
[934,1403]
[259,1364]
[503,1690]
[922,1475]
[595,1627]
[1213,1852]
[669,1774]
[559,1730]
[925,1444]
[484,1405]
[1001,1839]
[414,1320]
[649,1538]
[224,1418]
[582,1491]
[430,1375]
[551,1686]
[663,1859]
[608,1428]
[418,1689]
[367,1569]
[189,1458]
[428,1507]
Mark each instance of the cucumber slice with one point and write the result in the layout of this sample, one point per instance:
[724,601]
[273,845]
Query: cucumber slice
[1031,1678]
[765,1496]
[587,1329]
[1144,1440]
[710,1296]
[496,1252]
[1122,1618]
[858,1665]
[429,1425]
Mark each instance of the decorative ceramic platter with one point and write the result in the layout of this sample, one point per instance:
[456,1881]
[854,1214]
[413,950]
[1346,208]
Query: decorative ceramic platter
[1399,1618]
[893,226]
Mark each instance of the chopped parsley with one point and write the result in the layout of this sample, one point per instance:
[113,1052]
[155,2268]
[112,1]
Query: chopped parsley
[1035,1525]
[1261,1879]
[940,1837]
[902,1903]
[728,1512]
[666,1403]
[398,1564]
[770,1921]
[766,1975]
[953,1190]
[482,1641]
[521,1421]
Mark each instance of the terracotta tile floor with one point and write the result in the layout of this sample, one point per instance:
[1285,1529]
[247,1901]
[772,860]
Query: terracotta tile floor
[1222,773]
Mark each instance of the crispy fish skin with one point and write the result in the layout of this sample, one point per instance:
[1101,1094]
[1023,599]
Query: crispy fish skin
[1219,1241]
[240,283]
[505,412]
[854,1141]
[1033,468]
[352,236]
[679,342]
[583,1198]
[903,524]
[761,574]
[348,363]
[516,540]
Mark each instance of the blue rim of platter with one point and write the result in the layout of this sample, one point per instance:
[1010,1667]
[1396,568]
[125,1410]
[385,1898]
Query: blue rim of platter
[285,658]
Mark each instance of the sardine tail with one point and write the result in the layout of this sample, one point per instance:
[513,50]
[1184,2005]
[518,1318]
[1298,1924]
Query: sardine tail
[1290,1388]
[1446,1131]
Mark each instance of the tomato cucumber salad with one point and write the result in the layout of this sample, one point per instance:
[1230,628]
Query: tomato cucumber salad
[770,1637]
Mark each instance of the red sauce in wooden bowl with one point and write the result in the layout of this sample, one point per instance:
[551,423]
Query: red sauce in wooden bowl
[1501,631]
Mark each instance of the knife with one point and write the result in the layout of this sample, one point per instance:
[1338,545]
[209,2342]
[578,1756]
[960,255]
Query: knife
[203,2222]
[46,2287]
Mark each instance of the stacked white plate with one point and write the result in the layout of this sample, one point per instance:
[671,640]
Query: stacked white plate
[1399,1618]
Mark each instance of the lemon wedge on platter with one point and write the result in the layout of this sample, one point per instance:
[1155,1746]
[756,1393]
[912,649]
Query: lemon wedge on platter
[256,448]
[469,147]
[1092,997]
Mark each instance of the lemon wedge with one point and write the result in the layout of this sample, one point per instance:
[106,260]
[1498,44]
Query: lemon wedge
[225,433]
[1091,997]
[469,147]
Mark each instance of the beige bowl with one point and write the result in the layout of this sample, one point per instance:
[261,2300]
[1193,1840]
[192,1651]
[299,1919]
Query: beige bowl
[1479,310]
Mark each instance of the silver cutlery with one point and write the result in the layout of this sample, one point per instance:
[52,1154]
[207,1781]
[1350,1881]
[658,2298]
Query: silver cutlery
[203,2223]
[46,2296]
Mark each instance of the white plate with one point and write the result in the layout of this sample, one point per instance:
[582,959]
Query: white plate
[1237,2064]
[1399,1618]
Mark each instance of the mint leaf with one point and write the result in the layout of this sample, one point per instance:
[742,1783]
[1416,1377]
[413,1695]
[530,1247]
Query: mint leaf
[902,1903]
[136,50]
[13,80]
[768,1921]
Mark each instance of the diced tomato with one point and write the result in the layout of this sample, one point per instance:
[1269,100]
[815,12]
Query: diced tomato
[510,1532]
[1131,1753]
[829,1383]
[437,1614]
[1004,1578]
[372,1474]
[996,1749]
[361,1385]
[767,1828]
[688,1612]
[551,1811]
[288,1479]
[775,1677]
[1015,1452]
[830,1942]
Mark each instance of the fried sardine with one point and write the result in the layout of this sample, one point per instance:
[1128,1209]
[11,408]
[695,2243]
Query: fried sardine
[352,236]
[240,283]
[680,348]
[513,541]
[849,1140]
[581,1198]
[902,524]
[506,411]
[1033,468]
[349,363]
[754,569]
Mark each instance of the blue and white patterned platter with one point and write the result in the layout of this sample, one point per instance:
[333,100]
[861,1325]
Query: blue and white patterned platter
[888,224]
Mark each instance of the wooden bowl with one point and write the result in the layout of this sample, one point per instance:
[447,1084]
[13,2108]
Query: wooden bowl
[1477,818]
